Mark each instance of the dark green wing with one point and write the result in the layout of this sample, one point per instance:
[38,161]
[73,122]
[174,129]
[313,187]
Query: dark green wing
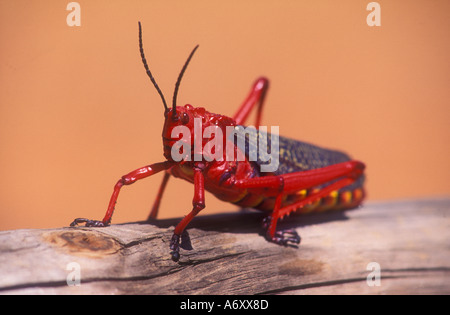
[292,155]
[298,156]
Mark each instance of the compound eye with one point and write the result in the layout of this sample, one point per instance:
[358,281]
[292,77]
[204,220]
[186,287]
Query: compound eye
[184,118]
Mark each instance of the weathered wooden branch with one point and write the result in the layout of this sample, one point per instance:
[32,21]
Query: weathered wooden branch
[409,240]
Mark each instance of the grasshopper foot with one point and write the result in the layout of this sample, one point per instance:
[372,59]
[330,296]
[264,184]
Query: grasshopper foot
[179,241]
[175,247]
[284,237]
[88,223]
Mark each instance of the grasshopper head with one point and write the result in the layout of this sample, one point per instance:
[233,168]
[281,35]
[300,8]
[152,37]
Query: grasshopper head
[178,128]
[177,115]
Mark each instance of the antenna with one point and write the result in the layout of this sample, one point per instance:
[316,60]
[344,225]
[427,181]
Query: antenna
[144,61]
[177,84]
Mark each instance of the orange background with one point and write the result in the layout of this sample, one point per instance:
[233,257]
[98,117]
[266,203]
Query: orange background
[77,110]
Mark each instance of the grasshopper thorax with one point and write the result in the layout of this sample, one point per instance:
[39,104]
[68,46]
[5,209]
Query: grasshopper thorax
[190,127]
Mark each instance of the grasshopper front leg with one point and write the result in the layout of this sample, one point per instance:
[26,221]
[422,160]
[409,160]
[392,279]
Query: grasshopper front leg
[198,203]
[128,179]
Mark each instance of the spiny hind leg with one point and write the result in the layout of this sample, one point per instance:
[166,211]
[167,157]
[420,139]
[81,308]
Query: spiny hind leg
[343,174]
[282,237]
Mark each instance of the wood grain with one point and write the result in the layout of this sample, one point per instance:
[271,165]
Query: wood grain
[408,239]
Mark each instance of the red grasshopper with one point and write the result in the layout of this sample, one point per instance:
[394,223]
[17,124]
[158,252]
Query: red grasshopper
[308,178]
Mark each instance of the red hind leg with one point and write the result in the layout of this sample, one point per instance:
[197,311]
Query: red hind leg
[255,97]
[341,175]
[280,237]
[279,213]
